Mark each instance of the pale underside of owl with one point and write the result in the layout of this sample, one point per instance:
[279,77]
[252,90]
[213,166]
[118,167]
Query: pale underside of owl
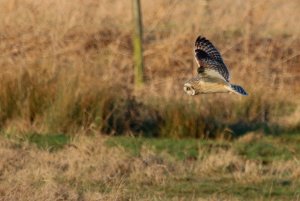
[213,75]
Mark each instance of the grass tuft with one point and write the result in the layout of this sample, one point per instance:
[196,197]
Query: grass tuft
[50,142]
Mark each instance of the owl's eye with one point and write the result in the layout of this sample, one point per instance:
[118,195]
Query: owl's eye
[200,69]
[188,88]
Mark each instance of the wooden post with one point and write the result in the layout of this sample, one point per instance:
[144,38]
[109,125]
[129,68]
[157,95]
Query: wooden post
[137,44]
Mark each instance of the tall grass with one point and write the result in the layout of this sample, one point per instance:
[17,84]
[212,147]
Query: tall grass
[67,67]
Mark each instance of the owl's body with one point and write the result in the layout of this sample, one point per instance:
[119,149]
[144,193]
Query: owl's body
[213,75]
[205,84]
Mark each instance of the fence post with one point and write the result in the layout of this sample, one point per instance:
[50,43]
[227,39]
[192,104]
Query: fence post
[137,44]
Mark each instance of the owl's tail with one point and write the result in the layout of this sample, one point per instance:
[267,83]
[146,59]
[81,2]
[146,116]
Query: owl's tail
[238,90]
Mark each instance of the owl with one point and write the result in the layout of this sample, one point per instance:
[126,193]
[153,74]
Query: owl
[213,75]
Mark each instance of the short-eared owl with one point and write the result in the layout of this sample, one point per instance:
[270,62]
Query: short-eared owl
[213,75]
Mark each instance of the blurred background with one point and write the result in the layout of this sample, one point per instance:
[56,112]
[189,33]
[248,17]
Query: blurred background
[67,71]
[68,66]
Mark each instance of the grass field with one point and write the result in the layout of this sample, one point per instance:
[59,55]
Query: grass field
[253,167]
[74,127]
[67,67]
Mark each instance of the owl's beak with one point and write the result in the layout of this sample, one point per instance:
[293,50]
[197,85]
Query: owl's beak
[188,88]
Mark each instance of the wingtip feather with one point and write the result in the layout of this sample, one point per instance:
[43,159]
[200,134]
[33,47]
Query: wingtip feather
[201,39]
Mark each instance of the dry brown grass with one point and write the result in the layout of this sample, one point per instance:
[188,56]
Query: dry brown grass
[66,66]
[89,170]
[57,58]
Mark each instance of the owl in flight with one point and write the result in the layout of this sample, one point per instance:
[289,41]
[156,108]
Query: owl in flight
[213,75]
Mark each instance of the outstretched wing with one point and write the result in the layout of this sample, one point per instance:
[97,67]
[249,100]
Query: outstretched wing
[209,59]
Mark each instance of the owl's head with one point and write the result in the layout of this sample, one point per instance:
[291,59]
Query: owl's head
[189,89]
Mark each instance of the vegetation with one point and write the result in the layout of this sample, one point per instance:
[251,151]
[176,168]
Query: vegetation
[68,67]
[130,168]
[69,108]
